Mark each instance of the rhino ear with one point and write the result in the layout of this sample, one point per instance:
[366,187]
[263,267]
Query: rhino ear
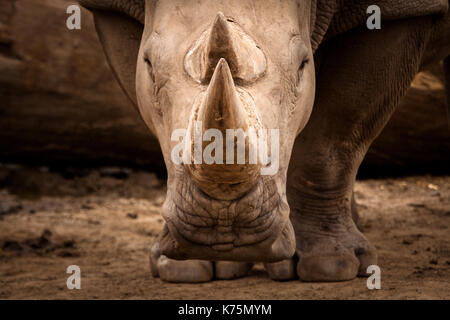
[119,25]
[132,8]
[120,37]
[401,9]
[334,17]
[390,10]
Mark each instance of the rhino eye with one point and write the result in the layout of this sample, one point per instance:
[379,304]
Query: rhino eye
[149,68]
[300,69]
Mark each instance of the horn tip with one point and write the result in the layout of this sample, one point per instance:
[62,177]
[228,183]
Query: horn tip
[220,22]
[223,70]
[222,63]
[220,16]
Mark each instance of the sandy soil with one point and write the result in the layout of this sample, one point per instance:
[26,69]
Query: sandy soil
[105,221]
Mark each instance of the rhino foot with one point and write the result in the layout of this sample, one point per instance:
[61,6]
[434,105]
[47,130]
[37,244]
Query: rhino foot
[282,271]
[195,271]
[228,270]
[338,254]
[184,271]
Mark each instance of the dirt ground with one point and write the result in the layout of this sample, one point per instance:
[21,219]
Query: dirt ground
[105,220]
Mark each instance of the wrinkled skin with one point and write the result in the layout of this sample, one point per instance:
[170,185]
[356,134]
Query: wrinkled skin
[329,85]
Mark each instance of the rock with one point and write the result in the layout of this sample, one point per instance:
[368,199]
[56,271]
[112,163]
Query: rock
[40,243]
[9,207]
[434,261]
[132,215]
[11,245]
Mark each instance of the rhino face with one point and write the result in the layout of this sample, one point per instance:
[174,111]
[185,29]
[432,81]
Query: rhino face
[205,68]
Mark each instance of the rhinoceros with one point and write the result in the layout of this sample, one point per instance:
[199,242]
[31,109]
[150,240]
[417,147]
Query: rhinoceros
[312,70]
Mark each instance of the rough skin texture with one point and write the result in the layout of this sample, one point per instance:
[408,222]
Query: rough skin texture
[361,75]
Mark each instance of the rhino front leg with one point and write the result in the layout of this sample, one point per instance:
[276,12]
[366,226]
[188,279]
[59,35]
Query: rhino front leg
[358,90]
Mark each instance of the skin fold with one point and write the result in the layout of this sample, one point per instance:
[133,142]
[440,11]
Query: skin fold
[308,68]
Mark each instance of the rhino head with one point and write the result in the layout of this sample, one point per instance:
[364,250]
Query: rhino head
[204,69]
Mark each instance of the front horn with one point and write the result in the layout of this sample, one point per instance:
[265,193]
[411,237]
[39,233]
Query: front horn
[222,109]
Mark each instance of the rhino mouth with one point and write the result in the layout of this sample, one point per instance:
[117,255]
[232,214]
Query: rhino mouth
[255,227]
